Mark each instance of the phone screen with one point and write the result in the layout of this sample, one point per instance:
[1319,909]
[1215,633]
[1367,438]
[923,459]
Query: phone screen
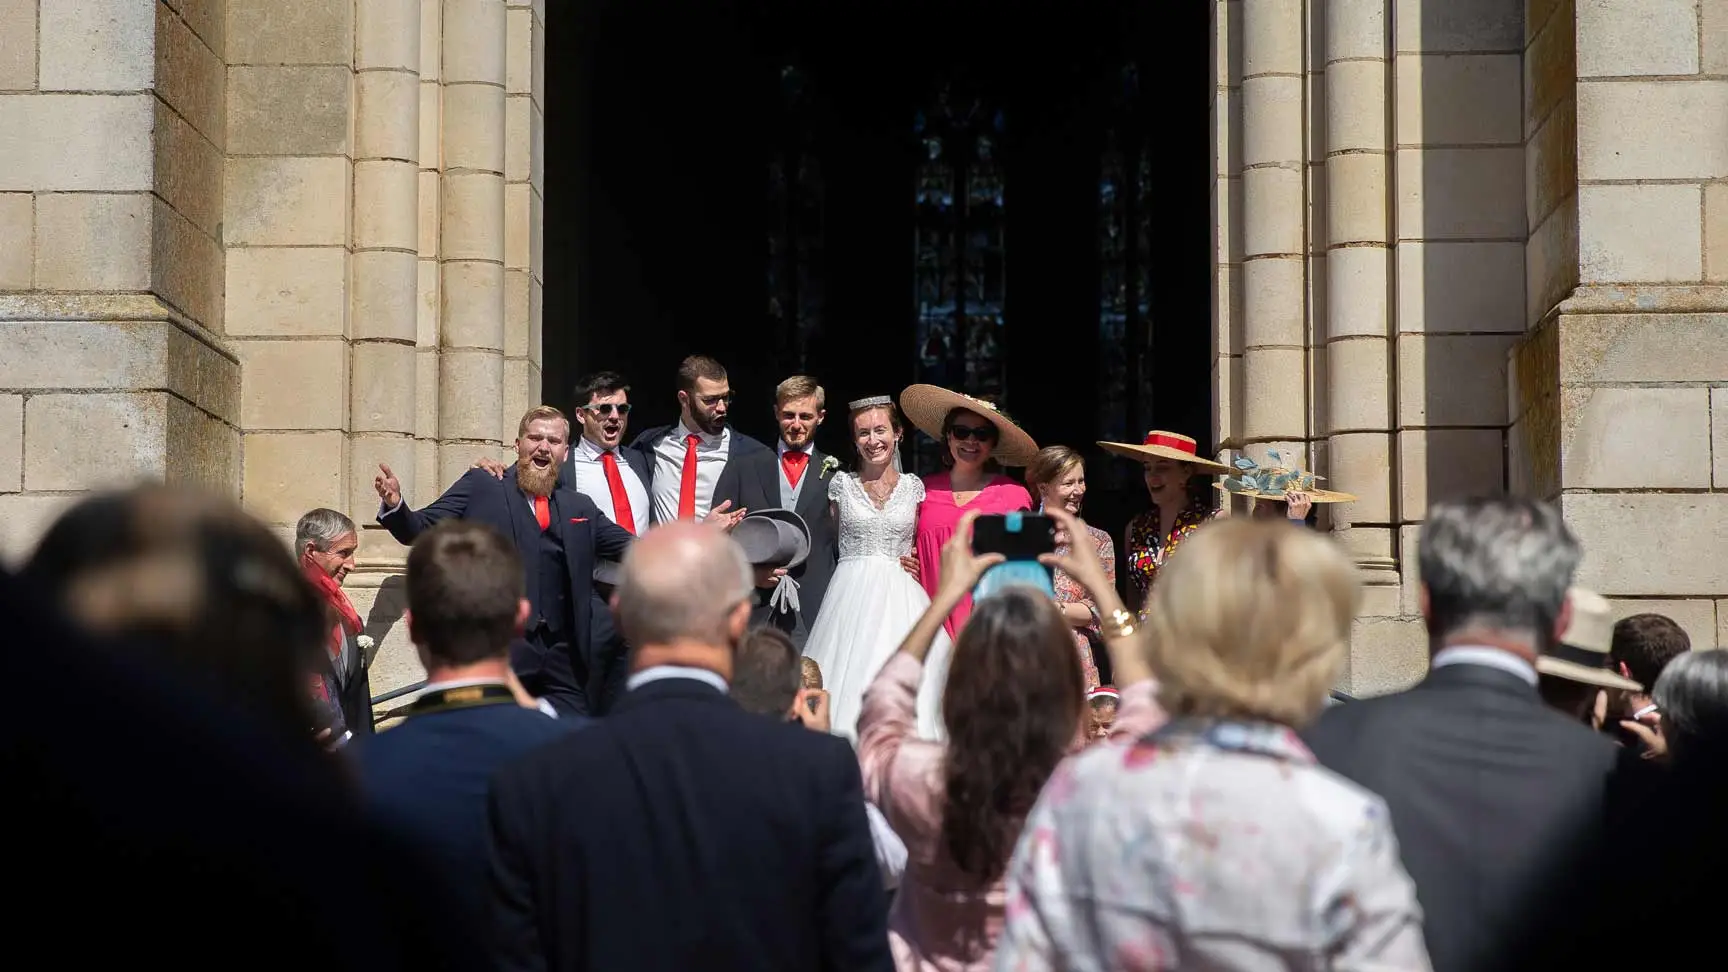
[1020,538]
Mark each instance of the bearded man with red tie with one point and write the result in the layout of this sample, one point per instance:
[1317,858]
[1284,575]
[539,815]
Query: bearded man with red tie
[560,535]
[700,463]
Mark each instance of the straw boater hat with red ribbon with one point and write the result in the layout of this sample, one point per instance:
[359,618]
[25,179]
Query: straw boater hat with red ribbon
[1167,445]
[927,406]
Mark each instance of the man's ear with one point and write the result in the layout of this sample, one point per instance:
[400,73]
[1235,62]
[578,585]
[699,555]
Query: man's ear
[738,621]
[1563,620]
[523,610]
[408,621]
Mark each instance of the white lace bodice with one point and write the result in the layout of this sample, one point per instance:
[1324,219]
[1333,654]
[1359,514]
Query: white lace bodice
[866,531]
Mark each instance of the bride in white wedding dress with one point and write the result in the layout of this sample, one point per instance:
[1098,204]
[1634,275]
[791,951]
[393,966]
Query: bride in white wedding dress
[871,602]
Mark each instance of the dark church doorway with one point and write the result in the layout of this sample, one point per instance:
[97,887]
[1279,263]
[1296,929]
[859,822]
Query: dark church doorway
[1004,199]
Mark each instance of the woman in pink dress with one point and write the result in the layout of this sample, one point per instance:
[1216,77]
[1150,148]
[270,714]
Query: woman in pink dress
[978,440]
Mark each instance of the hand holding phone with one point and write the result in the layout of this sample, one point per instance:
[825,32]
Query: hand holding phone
[1021,539]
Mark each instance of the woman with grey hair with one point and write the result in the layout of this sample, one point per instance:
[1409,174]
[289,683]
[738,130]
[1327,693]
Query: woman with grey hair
[1692,698]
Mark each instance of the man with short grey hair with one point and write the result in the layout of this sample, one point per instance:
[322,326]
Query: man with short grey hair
[1490,791]
[681,832]
[325,542]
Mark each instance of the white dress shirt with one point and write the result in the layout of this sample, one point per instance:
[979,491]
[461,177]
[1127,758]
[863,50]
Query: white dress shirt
[1487,658]
[711,455]
[655,673]
[591,482]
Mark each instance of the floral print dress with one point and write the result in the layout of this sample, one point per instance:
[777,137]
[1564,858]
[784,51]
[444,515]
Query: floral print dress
[1069,591]
[1148,551]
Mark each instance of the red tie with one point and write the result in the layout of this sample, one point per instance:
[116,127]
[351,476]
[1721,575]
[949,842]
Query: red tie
[620,499]
[794,462]
[687,483]
[543,511]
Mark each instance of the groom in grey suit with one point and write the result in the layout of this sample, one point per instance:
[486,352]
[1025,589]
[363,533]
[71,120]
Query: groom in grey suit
[803,473]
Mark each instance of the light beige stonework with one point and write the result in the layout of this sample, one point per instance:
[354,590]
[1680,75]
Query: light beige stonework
[1539,244]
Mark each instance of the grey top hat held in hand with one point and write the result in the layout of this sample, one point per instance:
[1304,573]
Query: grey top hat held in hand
[775,538]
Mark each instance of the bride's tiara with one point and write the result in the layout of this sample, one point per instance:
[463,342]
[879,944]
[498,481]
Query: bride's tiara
[875,401]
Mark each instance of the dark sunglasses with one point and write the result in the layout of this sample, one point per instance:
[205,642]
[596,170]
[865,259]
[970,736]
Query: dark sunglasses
[983,433]
[607,408]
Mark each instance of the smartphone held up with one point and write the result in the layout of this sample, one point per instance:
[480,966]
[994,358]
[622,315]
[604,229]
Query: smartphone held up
[1021,538]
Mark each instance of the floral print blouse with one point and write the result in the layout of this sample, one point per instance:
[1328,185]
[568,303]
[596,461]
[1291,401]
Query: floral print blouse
[1147,550]
[1069,591]
[1208,844]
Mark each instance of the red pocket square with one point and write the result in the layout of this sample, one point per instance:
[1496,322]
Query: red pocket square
[578,519]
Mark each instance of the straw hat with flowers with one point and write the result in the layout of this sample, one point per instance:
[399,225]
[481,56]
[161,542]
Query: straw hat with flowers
[927,406]
[1274,481]
[1167,445]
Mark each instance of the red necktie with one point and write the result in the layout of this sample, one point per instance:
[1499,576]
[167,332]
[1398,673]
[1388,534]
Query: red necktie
[620,499]
[543,511]
[794,462]
[687,482]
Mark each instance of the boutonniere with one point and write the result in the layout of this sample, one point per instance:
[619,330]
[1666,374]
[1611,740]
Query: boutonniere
[829,464]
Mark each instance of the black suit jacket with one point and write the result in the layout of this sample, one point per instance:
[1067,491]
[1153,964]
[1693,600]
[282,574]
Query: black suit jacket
[1491,794]
[748,479]
[815,572]
[583,530]
[680,833]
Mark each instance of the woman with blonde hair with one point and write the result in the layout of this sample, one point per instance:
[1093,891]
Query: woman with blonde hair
[1217,841]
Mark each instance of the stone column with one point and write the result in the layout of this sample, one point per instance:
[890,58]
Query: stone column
[1275,297]
[1639,350]
[471,242]
[286,226]
[112,364]
[524,154]
[1358,326]
[382,317]
[1227,392]
[429,303]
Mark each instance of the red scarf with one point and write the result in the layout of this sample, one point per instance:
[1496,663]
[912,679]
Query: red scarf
[331,592]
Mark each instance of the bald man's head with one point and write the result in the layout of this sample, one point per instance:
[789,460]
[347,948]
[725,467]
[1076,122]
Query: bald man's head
[683,582]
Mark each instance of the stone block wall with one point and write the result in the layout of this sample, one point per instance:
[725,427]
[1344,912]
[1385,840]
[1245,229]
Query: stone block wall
[111,277]
[1467,246]
[265,246]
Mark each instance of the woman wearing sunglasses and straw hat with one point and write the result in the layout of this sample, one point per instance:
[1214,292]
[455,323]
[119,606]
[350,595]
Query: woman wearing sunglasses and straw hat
[1181,503]
[977,440]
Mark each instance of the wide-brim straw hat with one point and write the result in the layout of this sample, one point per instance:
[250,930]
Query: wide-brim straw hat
[1314,495]
[1582,655]
[1167,445]
[926,406]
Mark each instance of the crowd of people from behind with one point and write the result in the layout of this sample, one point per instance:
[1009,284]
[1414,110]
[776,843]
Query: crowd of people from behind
[698,703]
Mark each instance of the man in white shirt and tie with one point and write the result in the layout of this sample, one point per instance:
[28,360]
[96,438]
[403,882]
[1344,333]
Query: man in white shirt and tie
[616,478]
[699,463]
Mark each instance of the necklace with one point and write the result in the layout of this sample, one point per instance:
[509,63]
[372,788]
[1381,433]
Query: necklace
[879,490]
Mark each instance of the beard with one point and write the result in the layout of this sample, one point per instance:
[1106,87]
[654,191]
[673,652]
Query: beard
[708,422]
[534,480]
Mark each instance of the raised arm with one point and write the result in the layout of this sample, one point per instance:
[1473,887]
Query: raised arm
[405,524]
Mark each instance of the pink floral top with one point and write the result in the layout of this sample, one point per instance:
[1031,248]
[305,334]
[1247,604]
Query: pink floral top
[1218,845]
[943,920]
[1070,591]
[937,517]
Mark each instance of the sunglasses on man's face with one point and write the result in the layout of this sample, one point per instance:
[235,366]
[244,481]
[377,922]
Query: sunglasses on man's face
[607,408]
[983,433]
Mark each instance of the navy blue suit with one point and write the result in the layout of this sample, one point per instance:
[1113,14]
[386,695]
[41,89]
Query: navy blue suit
[682,832]
[430,777]
[555,657]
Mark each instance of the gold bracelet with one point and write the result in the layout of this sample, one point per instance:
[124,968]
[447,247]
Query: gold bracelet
[1121,624]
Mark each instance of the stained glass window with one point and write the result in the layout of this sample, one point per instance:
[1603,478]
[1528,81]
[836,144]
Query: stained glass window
[795,230]
[1125,270]
[959,255]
